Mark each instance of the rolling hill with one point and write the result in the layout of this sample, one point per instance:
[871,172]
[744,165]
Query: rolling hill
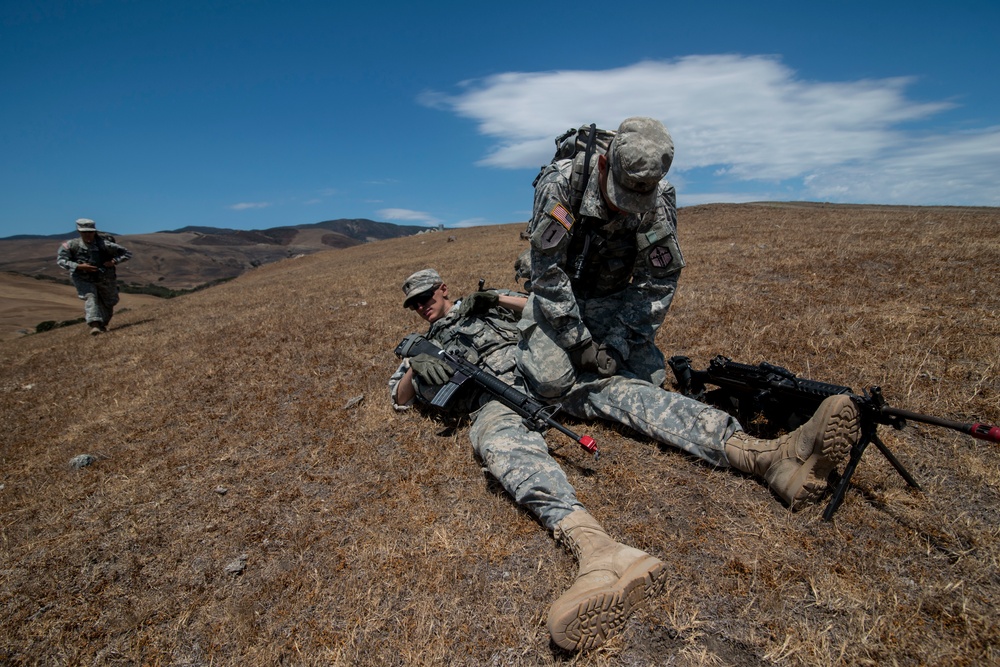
[254,500]
[192,256]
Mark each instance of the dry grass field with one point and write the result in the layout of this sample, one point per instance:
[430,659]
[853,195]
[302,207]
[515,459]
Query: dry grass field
[26,302]
[256,501]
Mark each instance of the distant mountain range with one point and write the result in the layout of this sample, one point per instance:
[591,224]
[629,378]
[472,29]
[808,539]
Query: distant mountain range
[192,256]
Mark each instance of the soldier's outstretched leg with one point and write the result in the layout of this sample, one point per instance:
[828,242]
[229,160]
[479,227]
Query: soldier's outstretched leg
[612,580]
[665,416]
[519,459]
[796,465]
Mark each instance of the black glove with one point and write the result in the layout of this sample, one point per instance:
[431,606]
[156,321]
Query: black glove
[431,369]
[594,358]
[478,302]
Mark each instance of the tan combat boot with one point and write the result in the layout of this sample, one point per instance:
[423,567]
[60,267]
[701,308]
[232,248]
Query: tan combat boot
[612,580]
[796,465]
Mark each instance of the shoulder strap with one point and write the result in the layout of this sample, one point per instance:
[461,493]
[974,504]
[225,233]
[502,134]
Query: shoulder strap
[579,183]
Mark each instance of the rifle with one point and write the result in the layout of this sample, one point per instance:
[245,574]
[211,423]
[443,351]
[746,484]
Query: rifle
[536,414]
[778,393]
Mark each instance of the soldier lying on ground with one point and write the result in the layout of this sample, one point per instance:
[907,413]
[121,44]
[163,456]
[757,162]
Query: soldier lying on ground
[613,578]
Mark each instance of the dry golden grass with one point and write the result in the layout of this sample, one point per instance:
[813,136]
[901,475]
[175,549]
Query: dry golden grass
[226,423]
[26,302]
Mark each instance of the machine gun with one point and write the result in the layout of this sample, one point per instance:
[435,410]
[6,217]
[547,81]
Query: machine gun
[538,415]
[781,396]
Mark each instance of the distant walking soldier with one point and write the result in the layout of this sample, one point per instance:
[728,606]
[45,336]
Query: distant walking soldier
[91,260]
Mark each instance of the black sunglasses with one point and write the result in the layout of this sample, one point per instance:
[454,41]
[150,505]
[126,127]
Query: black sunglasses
[422,298]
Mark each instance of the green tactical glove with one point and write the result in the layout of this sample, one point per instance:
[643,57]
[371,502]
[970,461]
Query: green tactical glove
[478,302]
[431,369]
[596,358]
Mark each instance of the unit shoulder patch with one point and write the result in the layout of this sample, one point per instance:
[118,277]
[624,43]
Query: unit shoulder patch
[560,222]
[660,257]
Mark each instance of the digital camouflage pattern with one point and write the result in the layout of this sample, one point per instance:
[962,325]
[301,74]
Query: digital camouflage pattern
[546,365]
[519,458]
[515,455]
[98,289]
[665,416]
[624,289]
[619,297]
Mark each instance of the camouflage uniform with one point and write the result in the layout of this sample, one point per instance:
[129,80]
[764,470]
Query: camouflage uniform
[98,289]
[619,298]
[623,294]
[665,416]
[514,454]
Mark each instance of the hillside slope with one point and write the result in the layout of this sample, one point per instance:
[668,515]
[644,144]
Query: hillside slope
[27,302]
[256,501]
[194,256]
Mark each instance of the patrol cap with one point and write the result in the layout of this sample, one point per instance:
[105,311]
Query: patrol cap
[639,156]
[420,282]
[86,225]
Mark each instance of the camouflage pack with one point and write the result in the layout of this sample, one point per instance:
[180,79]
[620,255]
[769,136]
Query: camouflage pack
[581,145]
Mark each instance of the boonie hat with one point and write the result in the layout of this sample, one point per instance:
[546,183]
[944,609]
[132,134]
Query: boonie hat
[639,156]
[420,282]
[86,225]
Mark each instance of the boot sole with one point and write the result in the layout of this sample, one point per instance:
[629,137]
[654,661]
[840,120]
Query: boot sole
[840,432]
[598,616]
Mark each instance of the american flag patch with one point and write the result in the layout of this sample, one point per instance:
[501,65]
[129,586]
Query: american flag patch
[560,213]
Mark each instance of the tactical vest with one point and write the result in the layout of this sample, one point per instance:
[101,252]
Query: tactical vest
[97,253]
[486,340]
[489,341]
[600,262]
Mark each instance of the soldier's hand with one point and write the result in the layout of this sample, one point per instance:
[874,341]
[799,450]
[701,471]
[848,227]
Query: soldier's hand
[584,357]
[608,360]
[596,358]
[431,369]
[478,303]
[86,267]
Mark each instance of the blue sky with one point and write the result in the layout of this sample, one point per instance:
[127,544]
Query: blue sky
[148,115]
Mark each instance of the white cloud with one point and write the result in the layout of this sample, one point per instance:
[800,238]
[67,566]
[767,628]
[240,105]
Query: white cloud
[243,206]
[946,169]
[751,120]
[407,215]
